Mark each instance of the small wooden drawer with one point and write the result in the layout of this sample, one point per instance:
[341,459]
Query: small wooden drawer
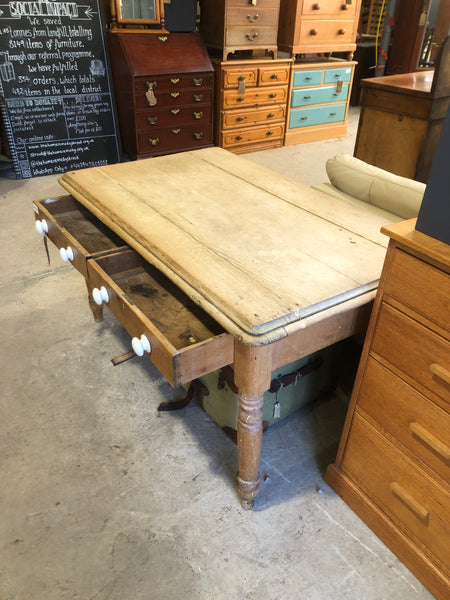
[421,287]
[261,4]
[317,115]
[176,98]
[232,99]
[421,426]
[147,120]
[248,15]
[249,117]
[320,95]
[185,341]
[414,501]
[334,75]
[325,32]
[329,7]
[172,82]
[305,78]
[253,134]
[172,138]
[244,76]
[251,36]
[73,229]
[413,349]
[276,75]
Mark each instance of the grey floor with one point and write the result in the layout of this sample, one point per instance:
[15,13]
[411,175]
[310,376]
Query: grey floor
[104,498]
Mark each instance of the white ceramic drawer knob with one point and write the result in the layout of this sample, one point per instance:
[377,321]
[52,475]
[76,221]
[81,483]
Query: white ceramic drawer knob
[41,226]
[100,295]
[141,345]
[66,253]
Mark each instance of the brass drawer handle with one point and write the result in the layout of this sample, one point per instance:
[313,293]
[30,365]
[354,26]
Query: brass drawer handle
[251,36]
[153,141]
[430,440]
[198,135]
[152,120]
[197,81]
[314,32]
[176,131]
[198,97]
[174,94]
[252,19]
[162,38]
[419,511]
[197,115]
[174,111]
[440,372]
[175,80]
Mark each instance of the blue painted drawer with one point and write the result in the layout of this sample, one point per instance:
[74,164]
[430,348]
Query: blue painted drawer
[307,77]
[342,74]
[322,95]
[317,115]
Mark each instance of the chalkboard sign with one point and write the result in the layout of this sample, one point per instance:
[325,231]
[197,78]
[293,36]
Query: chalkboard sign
[55,86]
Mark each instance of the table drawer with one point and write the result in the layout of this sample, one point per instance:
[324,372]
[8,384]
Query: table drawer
[274,75]
[185,342]
[72,228]
[248,15]
[321,95]
[187,137]
[412,499]
[249,117]
[147,120]
[313,77]
[419,424]
[253,134]
[317,115]
[254,96]
[324,32]
[411,281]
[251,36]
[415,350]
[329,7]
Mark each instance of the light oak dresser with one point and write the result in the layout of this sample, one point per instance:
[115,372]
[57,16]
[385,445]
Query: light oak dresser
[392,466]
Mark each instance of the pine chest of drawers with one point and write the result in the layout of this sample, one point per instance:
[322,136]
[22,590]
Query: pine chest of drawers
[306,26]
[251,104]
[163,86]
[319,100]
[393,463]
[230,25]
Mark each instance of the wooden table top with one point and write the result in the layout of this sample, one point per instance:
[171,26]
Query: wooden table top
[418,83]
[255,249]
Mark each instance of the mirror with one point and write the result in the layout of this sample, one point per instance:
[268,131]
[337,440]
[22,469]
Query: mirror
[139,12]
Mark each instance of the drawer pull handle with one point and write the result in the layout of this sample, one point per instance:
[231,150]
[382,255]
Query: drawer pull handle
[240,99]
[251,36]
[341,31]
[429,439]
[238,138]
[239,119]
[314,32]
[198,135]
[272,95]
[162,38]
[197,81]
[174,111]
[274,76]
[141,345]
[269,133]
[344,6]
[270,115]
[175,80]
[153,141]
[197,115]
[176,131]
[100,295]
[41,226]
[308,78]
[306,97]
[174,94]
[66,254]
[152,120]
[419,511]
[316,6]
[440,372]
[198,97]
[333,114]
[303,118]
[253,19]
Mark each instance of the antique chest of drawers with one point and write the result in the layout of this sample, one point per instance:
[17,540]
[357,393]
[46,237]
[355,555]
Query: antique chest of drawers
[163,86]
[251,103]
[230,25]
[306,26]
[393,463]
[319,100]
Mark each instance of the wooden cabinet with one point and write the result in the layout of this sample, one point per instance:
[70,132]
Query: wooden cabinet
[319,99]
[230,25]
[251,103]
[163,86]
[392,466]
[306,26]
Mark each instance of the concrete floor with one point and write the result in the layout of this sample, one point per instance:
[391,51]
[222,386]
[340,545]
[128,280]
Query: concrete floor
[104,498]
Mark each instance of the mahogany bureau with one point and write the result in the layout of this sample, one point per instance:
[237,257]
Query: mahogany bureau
[393,462]
[164,91]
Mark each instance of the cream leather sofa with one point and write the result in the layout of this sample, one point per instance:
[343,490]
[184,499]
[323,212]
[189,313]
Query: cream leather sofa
[354,181]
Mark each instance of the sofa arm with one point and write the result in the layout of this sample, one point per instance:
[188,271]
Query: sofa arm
[398,195]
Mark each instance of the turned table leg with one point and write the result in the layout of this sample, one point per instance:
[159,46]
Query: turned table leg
[252,372]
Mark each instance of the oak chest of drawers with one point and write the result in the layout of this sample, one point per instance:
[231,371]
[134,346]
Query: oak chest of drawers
[306,26]
[230,25]
[164,87]
[392,466]
[251,103]
[319,100]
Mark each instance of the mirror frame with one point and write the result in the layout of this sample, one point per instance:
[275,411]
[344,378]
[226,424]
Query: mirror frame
[122,21]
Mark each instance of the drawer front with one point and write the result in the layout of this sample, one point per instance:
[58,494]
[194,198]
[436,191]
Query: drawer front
[249,117]
[175,98]
[175,138]
[410,282]
[251,16]
[274,75]
[317,115]
[414,349]
[414,501]
[255,134]
[149,120]
[329,7]
[245,76]
[333,75]
[254,96]
[302,78]
[322,95]
[410,417]
[251,36]
[323,32]
[261,4]
[72,227]
[185,341]
[172,82]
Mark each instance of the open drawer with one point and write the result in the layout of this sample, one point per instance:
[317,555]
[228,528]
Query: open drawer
[76,232]
[181,339]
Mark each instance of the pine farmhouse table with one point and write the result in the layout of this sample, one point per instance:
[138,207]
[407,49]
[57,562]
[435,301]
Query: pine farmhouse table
[282,269]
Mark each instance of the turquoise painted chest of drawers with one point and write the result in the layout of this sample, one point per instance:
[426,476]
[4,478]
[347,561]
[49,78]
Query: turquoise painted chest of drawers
[319,100]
